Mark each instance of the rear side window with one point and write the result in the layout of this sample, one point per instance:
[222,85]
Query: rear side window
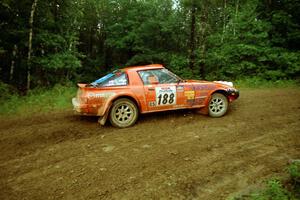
[116,78]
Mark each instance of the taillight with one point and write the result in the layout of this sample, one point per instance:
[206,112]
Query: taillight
[81,97]
[79,93]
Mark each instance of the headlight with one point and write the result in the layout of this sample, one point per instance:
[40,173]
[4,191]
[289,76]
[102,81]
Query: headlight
[225,83]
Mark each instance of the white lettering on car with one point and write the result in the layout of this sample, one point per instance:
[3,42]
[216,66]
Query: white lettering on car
[104,95]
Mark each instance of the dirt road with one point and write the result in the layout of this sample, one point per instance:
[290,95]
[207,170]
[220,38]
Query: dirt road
[173,155]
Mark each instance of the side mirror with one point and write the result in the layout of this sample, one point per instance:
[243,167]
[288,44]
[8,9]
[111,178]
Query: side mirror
[180,81]
[152,80]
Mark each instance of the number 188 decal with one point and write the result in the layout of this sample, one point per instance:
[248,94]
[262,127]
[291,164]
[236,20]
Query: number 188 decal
[165,95]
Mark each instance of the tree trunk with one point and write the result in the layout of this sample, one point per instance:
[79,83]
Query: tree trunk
[192,38]
[202,40]
[236,16]
[224,20]
[12,66]
[268,5]
[33,7]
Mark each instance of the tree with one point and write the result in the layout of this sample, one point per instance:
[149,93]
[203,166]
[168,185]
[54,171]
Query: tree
[32,11]
[56,41]
[56,57]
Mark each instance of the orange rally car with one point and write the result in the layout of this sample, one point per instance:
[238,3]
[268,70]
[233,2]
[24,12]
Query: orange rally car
[123,94]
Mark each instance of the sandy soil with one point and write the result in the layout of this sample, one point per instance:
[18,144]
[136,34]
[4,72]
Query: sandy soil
[171,155]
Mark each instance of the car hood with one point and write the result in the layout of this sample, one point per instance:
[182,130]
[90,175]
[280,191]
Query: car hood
[223,83]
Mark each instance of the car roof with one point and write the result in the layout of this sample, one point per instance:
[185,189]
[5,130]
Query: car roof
[143,67]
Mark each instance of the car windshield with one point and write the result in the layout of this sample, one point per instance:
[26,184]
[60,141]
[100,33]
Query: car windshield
[115,78]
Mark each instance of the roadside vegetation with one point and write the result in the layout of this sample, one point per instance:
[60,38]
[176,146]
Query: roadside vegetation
[278,188]
[39,100]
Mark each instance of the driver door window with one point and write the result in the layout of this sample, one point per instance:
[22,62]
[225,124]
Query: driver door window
[160,87]
[163,76]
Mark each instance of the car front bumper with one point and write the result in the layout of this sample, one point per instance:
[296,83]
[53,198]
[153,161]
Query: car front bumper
[233,94]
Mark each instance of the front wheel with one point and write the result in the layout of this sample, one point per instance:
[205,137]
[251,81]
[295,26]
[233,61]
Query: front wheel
[123,113]
[218,105]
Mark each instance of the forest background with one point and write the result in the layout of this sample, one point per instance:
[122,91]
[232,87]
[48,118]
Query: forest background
[48,42]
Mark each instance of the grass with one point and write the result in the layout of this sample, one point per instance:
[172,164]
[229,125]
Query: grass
[38,100]
[276,189]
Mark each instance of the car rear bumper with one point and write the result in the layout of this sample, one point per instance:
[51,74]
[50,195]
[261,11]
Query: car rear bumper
[87,109]
[79,108]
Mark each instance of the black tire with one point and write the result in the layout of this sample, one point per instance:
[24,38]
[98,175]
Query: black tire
[123,113]
[218,105]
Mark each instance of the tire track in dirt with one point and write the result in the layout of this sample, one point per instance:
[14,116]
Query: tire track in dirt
[177,155]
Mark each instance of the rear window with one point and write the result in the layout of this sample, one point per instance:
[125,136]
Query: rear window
[115,78]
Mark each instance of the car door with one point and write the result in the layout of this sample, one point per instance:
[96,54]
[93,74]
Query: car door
[163,90]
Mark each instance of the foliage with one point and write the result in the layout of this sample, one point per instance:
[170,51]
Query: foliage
[294,170]
[249,52]
[276,189]
[218,39]
[6,91]
[178,64]
[64,60]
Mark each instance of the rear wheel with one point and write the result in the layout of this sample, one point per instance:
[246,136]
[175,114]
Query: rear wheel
[123,113]
[218,105]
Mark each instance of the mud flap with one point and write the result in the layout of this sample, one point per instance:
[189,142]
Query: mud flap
[203,110]
[102,120]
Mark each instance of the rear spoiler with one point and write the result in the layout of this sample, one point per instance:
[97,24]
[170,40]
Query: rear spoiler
[81,85]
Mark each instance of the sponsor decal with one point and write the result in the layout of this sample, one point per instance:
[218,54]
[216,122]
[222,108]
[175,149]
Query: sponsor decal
[104,95]
[189,94]
[180,88]
[152,103]
[204,87]
[165,95]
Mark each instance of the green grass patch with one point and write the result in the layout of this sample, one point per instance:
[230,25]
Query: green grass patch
[273,191]
[37,101]
[276,189]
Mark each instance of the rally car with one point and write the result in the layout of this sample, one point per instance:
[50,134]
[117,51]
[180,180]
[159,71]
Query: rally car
[123,94]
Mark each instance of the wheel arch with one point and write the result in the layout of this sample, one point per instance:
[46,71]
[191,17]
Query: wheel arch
[103,119]
[229,94]
[221,91]
[204,110]
[224,92]
[134,100]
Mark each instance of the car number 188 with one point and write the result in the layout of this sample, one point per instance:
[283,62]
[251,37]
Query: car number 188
[165,95]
